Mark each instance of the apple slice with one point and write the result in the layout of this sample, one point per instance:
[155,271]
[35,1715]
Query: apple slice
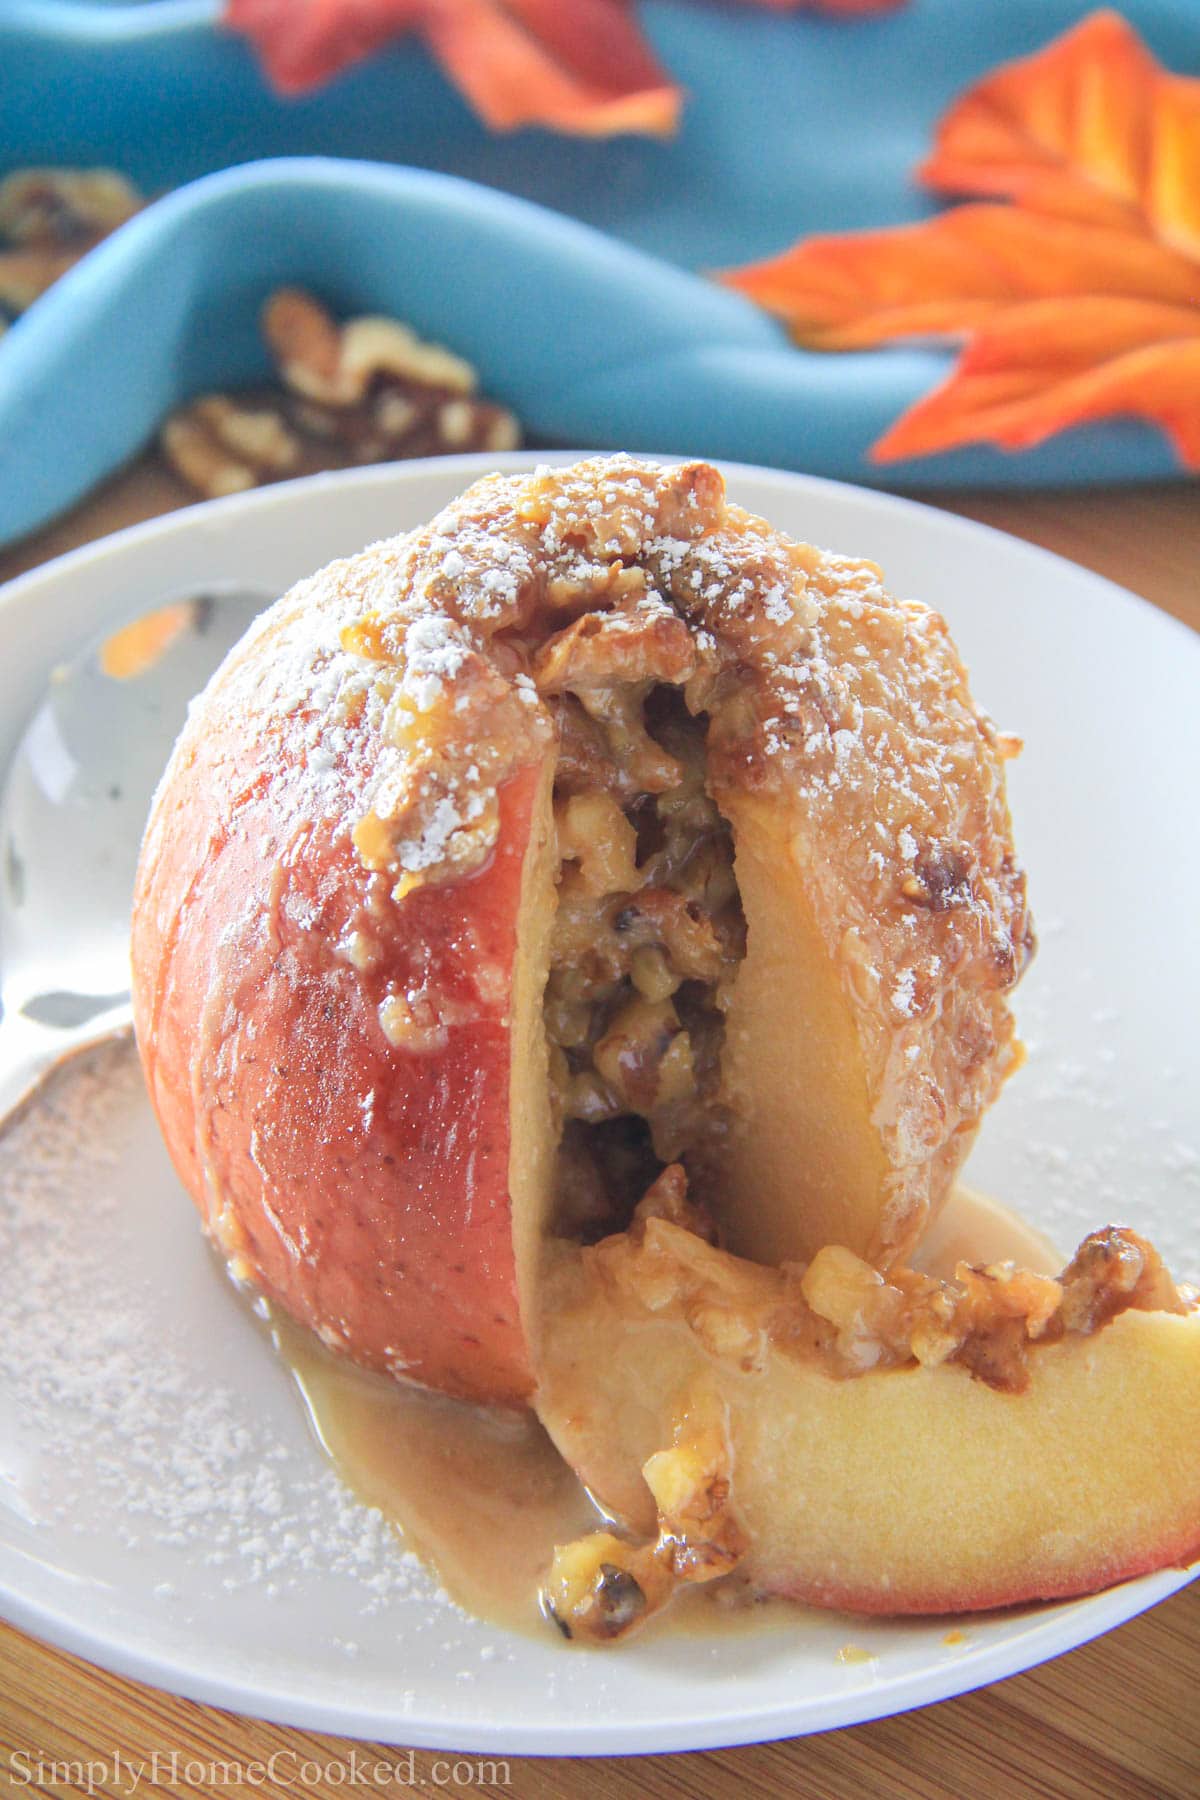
[914,1488]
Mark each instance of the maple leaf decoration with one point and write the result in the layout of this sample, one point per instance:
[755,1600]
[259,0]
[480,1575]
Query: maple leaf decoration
[579,66]
[1079,299]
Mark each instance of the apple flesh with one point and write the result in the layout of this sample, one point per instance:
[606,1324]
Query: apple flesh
[913,1489]
[808,1162]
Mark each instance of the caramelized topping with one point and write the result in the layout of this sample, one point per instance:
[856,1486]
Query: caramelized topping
[568,597]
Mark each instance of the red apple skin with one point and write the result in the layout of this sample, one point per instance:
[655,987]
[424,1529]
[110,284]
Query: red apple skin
[1179,1551]
[363,1185]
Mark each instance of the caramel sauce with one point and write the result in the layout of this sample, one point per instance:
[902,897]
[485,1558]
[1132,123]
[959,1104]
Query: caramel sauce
[481,1495]
[972,1228]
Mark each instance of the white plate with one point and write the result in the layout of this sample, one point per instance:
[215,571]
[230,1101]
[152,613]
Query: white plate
[163,1509]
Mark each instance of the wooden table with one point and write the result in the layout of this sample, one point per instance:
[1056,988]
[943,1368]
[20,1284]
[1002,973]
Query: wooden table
[1116,1720]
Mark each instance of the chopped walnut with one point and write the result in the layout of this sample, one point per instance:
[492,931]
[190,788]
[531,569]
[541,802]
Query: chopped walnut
[865,1310]
[620,712]
[594,833]
[364,392]
[667,1198]
[585,763]
[1112,1271]
[64,206]
[641,640]
[339,366]
[847,1314]
[666,1260]
[49,218]
[221,448]
[990,1318]
[602,1587]
[645,1056]
[26,274]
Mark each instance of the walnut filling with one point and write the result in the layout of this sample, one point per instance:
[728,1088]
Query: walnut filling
[647,940]
[845,1313]
[649,929]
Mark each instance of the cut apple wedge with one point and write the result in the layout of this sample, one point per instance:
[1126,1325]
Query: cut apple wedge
[594,824]
[905,1487]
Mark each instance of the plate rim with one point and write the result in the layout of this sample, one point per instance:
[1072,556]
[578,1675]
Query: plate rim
[886,1699]
[1064,1626]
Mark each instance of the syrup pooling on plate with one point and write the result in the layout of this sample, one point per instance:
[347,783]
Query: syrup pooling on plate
[478,1492]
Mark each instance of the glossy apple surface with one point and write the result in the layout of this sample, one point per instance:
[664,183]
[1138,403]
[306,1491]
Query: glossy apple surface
[360,1176]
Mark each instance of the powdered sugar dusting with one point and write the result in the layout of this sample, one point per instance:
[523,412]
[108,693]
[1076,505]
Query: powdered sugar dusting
[904,992]
[433,657]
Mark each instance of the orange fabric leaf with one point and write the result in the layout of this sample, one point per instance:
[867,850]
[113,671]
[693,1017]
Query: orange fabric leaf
[579,66]
[950,273]
[1173,188]
[1050,365]
[1079,301]
[304,42]
[1091,126]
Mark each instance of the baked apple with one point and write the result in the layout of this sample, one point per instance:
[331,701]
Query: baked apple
[572,949]
[594,825]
